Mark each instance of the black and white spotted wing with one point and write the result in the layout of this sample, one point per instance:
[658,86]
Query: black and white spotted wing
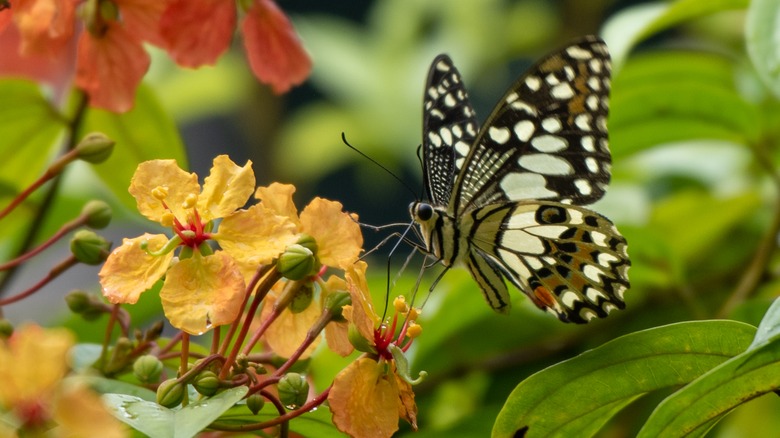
[547,138]
[450,127]
[507,202]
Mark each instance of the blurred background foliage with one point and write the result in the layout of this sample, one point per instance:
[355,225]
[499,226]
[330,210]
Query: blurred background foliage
[694,127]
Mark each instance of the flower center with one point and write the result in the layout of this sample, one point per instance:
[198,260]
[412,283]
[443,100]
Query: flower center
[193,232]
[384,335]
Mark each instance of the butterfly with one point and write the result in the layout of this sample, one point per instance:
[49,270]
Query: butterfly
[506,199]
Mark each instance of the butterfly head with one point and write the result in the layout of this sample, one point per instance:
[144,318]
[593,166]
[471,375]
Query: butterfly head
[421,212]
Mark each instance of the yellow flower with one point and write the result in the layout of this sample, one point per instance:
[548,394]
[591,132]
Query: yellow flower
[33,363]
[339,242]
[337,234]
[370,395]
[203,288]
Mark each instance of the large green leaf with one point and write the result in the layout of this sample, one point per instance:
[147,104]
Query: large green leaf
[159,422]
[597,383]
[670,97]
[145,133]
[694,409]
[315,423]
[762,31]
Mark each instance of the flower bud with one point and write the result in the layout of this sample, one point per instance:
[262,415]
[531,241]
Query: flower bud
[6,328]
[147,368]
[119,358]
[293,390]
[89,248]
[308,242]
[98,214]
[170,393]
[154,332]
[78,301]
[335,303]
[95,147]
[297,262]
[255,403]
[358,341]
[206,383]
[302,298]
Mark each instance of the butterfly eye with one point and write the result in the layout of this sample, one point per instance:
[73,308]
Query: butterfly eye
[423,211]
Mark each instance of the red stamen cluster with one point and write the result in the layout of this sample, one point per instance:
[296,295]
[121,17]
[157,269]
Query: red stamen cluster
[383,337]
[195,225]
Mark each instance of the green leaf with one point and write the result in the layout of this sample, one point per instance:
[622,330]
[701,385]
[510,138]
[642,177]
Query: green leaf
[599,382]
[160,422]
[145,133]
[29,128]
[762,31]
[670,97]
[695,408]
[632,25]
[769,329]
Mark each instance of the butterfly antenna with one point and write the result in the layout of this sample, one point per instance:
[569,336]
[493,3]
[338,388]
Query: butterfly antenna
[363,154]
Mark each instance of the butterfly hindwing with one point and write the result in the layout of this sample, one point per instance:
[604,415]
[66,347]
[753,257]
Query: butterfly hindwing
[547,138]
[450,127]
[569,260]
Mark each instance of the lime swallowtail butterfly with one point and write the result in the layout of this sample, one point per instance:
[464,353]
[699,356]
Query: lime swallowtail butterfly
[506,200]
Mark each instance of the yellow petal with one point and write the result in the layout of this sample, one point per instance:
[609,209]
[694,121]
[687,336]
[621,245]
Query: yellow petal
[32,363]
[202,292]
[288,331]
[130,271]
[337,235]
[336,333]
[255,235]
[364,401]
[80,413]
[278,198]
[407,408]
[362,313]
[226,189]
[167,174]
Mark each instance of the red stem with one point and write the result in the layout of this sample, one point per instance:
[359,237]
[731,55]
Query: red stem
[51,275]
[65,229]
[260,273]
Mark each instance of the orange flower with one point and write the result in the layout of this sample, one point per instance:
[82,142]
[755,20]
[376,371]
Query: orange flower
[33,363]
[204,288]
[197,32]
[45,25]
[370,395]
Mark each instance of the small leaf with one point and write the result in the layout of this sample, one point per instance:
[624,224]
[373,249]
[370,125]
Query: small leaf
[156,421]
[195,417]
[769,329]
[553,401]
[144,416]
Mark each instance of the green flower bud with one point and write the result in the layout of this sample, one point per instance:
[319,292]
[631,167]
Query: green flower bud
[358,341]
[95,147]
[78,301]
[297,262]
[335,302]
[206,383]
[293,390]
[302,298]
[98,214]
[89,248]
[307,241]
[255,403]
[170,393]
[147,368]
[119,358]
[6,328]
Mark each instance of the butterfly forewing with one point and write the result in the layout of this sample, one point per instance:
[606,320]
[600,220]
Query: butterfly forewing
[547,138]
[450,127]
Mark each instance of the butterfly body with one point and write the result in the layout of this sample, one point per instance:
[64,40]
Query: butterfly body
[505,200]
